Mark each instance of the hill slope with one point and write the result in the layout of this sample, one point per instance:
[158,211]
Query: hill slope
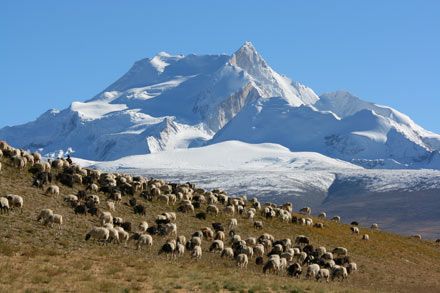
[35,257]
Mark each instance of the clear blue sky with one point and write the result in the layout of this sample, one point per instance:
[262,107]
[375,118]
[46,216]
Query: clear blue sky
[55,52]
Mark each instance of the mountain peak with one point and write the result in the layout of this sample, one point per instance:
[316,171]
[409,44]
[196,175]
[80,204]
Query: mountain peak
[247,57]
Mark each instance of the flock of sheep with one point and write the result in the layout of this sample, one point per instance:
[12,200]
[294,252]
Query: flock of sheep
[294,257]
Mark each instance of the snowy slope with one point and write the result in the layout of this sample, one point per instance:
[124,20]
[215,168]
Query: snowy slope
[175,102]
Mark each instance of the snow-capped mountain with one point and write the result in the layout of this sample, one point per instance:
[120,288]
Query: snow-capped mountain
[175,102]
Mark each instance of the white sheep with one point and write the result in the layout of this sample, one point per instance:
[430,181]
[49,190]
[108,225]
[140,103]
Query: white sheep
[366,237]
[227,252]
[273,264]
[98,233]
[70,198]
[44,215]
[354,230]
[110,206]
[197,252]
[232,224]
[113,234]
[179,250]
[123,235]
[106,217]
[259,250]
[212,209]
[312,270]
[144,239]
[322,215]
[375,226]
[306,210]
[229,210]
[220,235]
[242,260]
[217,245]
[323,274]
[53,190]
[336,219]
[15,201]
[4,204]
[339,272]
[143,226]
[351,267]
[341,251]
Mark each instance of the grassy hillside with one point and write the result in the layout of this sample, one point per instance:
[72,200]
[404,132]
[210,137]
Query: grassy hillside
[38,258]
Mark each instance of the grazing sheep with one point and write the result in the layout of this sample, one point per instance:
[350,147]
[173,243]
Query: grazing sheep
[71,198]
[322,215]
[354,230]
[168,248]
[233,223]
[294,270]
[229,210]
[319,225]
[365,237]
[220,235]
[272,265]
[312,271]
[4,205]
[306,211]
[212,210]
[323,274]
[259,250]
[197,252]
[98,233]
[340,251]
[375,226]
[123,235]
[217,245]
[113,234]
[163,198]
[336,219]
[417,236]
[53,190]
[110,206]
[352,267]
[339,272]
[258,225]
[44,215]
[201,216]
[15,201]
[179,251]
[259,260]
[227,252]
[143,226]
[302,240]
[242,260]
[106,217]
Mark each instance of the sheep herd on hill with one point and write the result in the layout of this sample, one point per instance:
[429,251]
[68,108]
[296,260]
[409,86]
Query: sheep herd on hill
[295,257]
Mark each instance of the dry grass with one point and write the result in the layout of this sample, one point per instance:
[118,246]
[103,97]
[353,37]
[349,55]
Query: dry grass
[35,258]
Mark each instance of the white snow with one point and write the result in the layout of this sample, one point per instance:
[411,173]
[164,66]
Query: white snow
[95,110]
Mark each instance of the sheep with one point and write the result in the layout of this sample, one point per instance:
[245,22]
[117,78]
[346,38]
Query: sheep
[93,187]
[44,215]
[163,198]
[106,217]
[168,248]
[312,271]
[212,210]
[98,233]
[322,215]
[258,225]
[323,274]
[227,252]
[217,245]
[179,250]
[294,270]
[171,229]
[354,230]
[366,237]
[71,198]
[123,235]
[340,251]
[374,226]
[233,223]
[272,265]
[302,257]
[249,251]
[319,225]
[143,226]
[251,241]
[416,236]
[219,235]
[170,216]
[197,252]
[259,250]
[4,204]
[306,211]
[113,233]
[229,210]
[110,206]
[242,260]
[15,201]
[351,267]
[336,219]
[53,190]
[302,240]
[339,272]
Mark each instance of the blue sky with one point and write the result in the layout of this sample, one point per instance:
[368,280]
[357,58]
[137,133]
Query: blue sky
[55,52]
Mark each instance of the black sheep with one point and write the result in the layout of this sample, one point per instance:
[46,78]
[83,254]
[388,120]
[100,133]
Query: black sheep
[139,209]
[218,226]
[201,216]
